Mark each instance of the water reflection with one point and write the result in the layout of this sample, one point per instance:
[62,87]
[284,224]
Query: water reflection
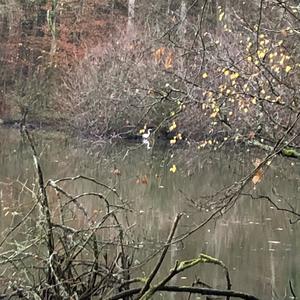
[253,239]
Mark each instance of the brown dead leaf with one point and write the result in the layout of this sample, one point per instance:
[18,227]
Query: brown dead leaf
[158,54]
[116,172]
[257,177]
[251,135]
[257,162]
[142,180]
[169,61]
[259,173]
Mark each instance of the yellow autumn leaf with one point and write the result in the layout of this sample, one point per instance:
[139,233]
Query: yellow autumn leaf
[281,62]
[288,68]
[214,114]
[205,75]
[173,141]
[173,169]
[221,16]
[280,43]
[249,45]
[202,145]
[173,126]
[261,53]
[276,69]
[226,72]
[234,76]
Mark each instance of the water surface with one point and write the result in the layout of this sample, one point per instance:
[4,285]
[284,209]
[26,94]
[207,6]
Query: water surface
[255,241]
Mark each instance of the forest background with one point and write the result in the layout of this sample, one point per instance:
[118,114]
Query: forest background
[211,71]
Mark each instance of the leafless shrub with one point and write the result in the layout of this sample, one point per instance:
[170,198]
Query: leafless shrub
[236,79]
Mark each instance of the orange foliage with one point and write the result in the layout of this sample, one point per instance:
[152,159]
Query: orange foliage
[77,32]
[142,180]
[168,58]
[158,54]
[169,61]
[259,173]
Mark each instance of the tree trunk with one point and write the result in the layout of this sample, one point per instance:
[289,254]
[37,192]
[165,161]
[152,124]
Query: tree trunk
[130,24]
[182,32]
[51,18]
[169,7]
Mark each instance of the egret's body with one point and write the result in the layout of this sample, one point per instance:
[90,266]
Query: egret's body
[146,135]
[145,138]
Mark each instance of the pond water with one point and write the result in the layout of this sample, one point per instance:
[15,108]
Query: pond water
[255,241]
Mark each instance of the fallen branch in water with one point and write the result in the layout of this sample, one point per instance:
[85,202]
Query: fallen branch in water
[182,266]
[189,289]
[287,151]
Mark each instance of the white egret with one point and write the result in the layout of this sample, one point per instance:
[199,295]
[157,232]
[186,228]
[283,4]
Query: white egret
[145,136]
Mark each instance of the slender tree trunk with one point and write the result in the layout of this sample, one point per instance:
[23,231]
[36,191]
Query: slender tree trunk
[182,32]
[51,18]
[183,12]
[130,24]
[169,7]
[214,16]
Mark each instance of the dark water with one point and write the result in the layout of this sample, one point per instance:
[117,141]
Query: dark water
[255,241]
